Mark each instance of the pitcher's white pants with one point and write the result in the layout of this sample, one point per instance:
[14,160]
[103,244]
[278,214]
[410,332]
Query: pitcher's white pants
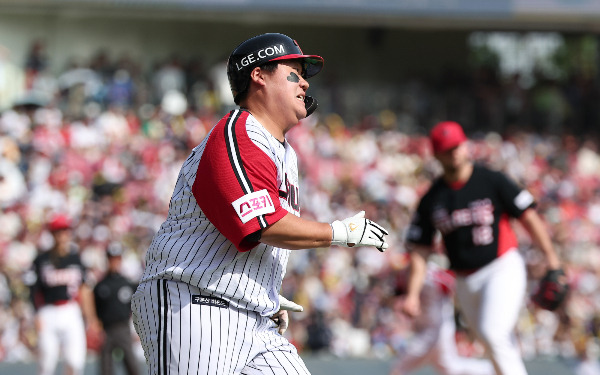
[490,300]
[182,336]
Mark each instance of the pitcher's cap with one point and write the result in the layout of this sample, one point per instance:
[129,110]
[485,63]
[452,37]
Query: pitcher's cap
[59,222]
[446,135]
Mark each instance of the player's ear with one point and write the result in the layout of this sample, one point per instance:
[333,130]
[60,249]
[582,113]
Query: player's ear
[257,75]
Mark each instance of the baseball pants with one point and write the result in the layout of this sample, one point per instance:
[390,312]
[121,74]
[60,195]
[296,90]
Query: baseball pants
[118,335]
[490,300]
[436,346]
[61,327]
[183,331]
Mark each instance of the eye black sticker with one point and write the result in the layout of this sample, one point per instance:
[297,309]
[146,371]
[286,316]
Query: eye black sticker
[293,77]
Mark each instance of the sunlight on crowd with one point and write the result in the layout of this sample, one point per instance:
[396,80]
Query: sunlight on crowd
[104,141]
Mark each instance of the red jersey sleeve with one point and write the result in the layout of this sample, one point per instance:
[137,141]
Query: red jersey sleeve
[236,182]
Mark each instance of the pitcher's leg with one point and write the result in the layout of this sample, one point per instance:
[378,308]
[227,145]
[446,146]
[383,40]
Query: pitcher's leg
[502,300]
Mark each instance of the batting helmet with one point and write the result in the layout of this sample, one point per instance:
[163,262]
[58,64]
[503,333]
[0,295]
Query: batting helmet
[260,50]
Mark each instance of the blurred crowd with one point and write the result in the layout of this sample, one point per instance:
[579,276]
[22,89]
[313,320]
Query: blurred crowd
[104,141]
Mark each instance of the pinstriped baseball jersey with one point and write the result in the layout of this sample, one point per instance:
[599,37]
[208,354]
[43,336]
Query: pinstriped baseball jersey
[239,180]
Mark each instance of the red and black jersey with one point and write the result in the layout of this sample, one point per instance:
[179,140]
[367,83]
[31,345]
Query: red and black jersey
[56,279]
[473,218]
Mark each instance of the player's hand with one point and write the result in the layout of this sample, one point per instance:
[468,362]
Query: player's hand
[358,231]
[286,304]
[94,337]
[412,306]
[94,324]
[282,319]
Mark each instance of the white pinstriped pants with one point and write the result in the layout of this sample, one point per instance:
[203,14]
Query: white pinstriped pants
[181,337]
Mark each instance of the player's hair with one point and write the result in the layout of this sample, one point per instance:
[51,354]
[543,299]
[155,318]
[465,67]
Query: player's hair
[270,67]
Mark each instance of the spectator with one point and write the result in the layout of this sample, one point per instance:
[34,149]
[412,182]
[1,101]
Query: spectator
[63,160]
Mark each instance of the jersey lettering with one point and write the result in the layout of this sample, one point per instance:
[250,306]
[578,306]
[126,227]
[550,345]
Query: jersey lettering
[210,301]
[293,195]
[479,213]
[482,212]
[253,205]
[482,235]
[71,278]
[56,277]
[462,218]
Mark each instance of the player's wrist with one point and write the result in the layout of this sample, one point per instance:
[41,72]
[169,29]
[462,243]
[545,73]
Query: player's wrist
[358,231]
[554,262]
[339,235]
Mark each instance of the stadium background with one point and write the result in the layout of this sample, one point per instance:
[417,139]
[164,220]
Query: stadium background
[93,120]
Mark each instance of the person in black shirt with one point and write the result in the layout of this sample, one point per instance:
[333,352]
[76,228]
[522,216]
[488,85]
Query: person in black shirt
[62,301]
[471,205]
[112,297]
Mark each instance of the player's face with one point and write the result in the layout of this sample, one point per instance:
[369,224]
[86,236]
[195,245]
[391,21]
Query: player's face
[114,263]
[454,158]
[62,238]
[289,90]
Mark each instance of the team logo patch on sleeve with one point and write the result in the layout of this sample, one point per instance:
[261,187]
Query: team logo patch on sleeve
[253,205]
[524,199]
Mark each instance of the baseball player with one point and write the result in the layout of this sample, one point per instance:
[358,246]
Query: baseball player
[208,300]
[434,331]
[60,295]
[470,205]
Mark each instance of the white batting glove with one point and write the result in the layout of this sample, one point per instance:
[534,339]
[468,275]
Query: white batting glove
[286,304]
[357,230]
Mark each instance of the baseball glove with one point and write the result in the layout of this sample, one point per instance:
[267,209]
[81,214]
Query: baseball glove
[552,290]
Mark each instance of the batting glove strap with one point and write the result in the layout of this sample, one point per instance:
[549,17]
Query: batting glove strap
[358,231]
